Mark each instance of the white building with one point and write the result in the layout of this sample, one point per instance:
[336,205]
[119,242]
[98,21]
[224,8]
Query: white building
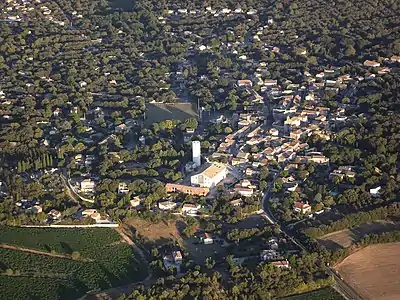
[375,192]
[190,208]
[196,153]
[123,188]
[135,202]
[207,239]
[177,257]
[87,186]
[210,177]
[166,205]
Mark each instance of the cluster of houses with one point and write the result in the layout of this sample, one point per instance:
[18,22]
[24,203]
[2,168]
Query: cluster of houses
[208,10]
[34,207]
[273,255]
[19,10]
[342,172]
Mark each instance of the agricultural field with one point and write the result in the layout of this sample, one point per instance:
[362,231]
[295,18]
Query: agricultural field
[36,288]
[345,238]
[321,294]
[374,271]
[73,260]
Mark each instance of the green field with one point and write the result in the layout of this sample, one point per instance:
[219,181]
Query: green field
[322,294]
[104,262]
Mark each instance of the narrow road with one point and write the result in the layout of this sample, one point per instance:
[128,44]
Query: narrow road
[70,194]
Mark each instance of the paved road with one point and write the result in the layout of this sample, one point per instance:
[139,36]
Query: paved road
[342,287]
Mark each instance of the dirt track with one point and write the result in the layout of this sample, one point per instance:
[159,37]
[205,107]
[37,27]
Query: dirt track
[374,272]
[33,251]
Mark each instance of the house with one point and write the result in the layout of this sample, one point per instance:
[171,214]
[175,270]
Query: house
[249,172]
[302,207]
[275,49]
[291,186]
[121,128]
[206,238]
[177,257]
[281,264]
[371,63]
[244,191]
[190,208]
[88,212]
[210,177]
[56,112]
[87,186]
[383,70]
[318,159]
[244,83]
[375,192]
[54,214]
[36,209]
[123,188]
[135,202]
[395,58]
[273,243]
[267,255]
[271,83]
[274,132]
[166,205]
[96,216]
[236,202]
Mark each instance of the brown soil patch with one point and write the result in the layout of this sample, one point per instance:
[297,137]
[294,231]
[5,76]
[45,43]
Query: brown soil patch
[345,238]
[159,232]
[374,272]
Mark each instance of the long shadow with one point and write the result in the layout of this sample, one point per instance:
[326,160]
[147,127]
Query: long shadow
[162,112]
[329,244]
[66,248]
[3,266]
[121,5]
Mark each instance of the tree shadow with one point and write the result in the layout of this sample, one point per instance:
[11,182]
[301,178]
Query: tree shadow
[66,248]
[329,244]
[47,248]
